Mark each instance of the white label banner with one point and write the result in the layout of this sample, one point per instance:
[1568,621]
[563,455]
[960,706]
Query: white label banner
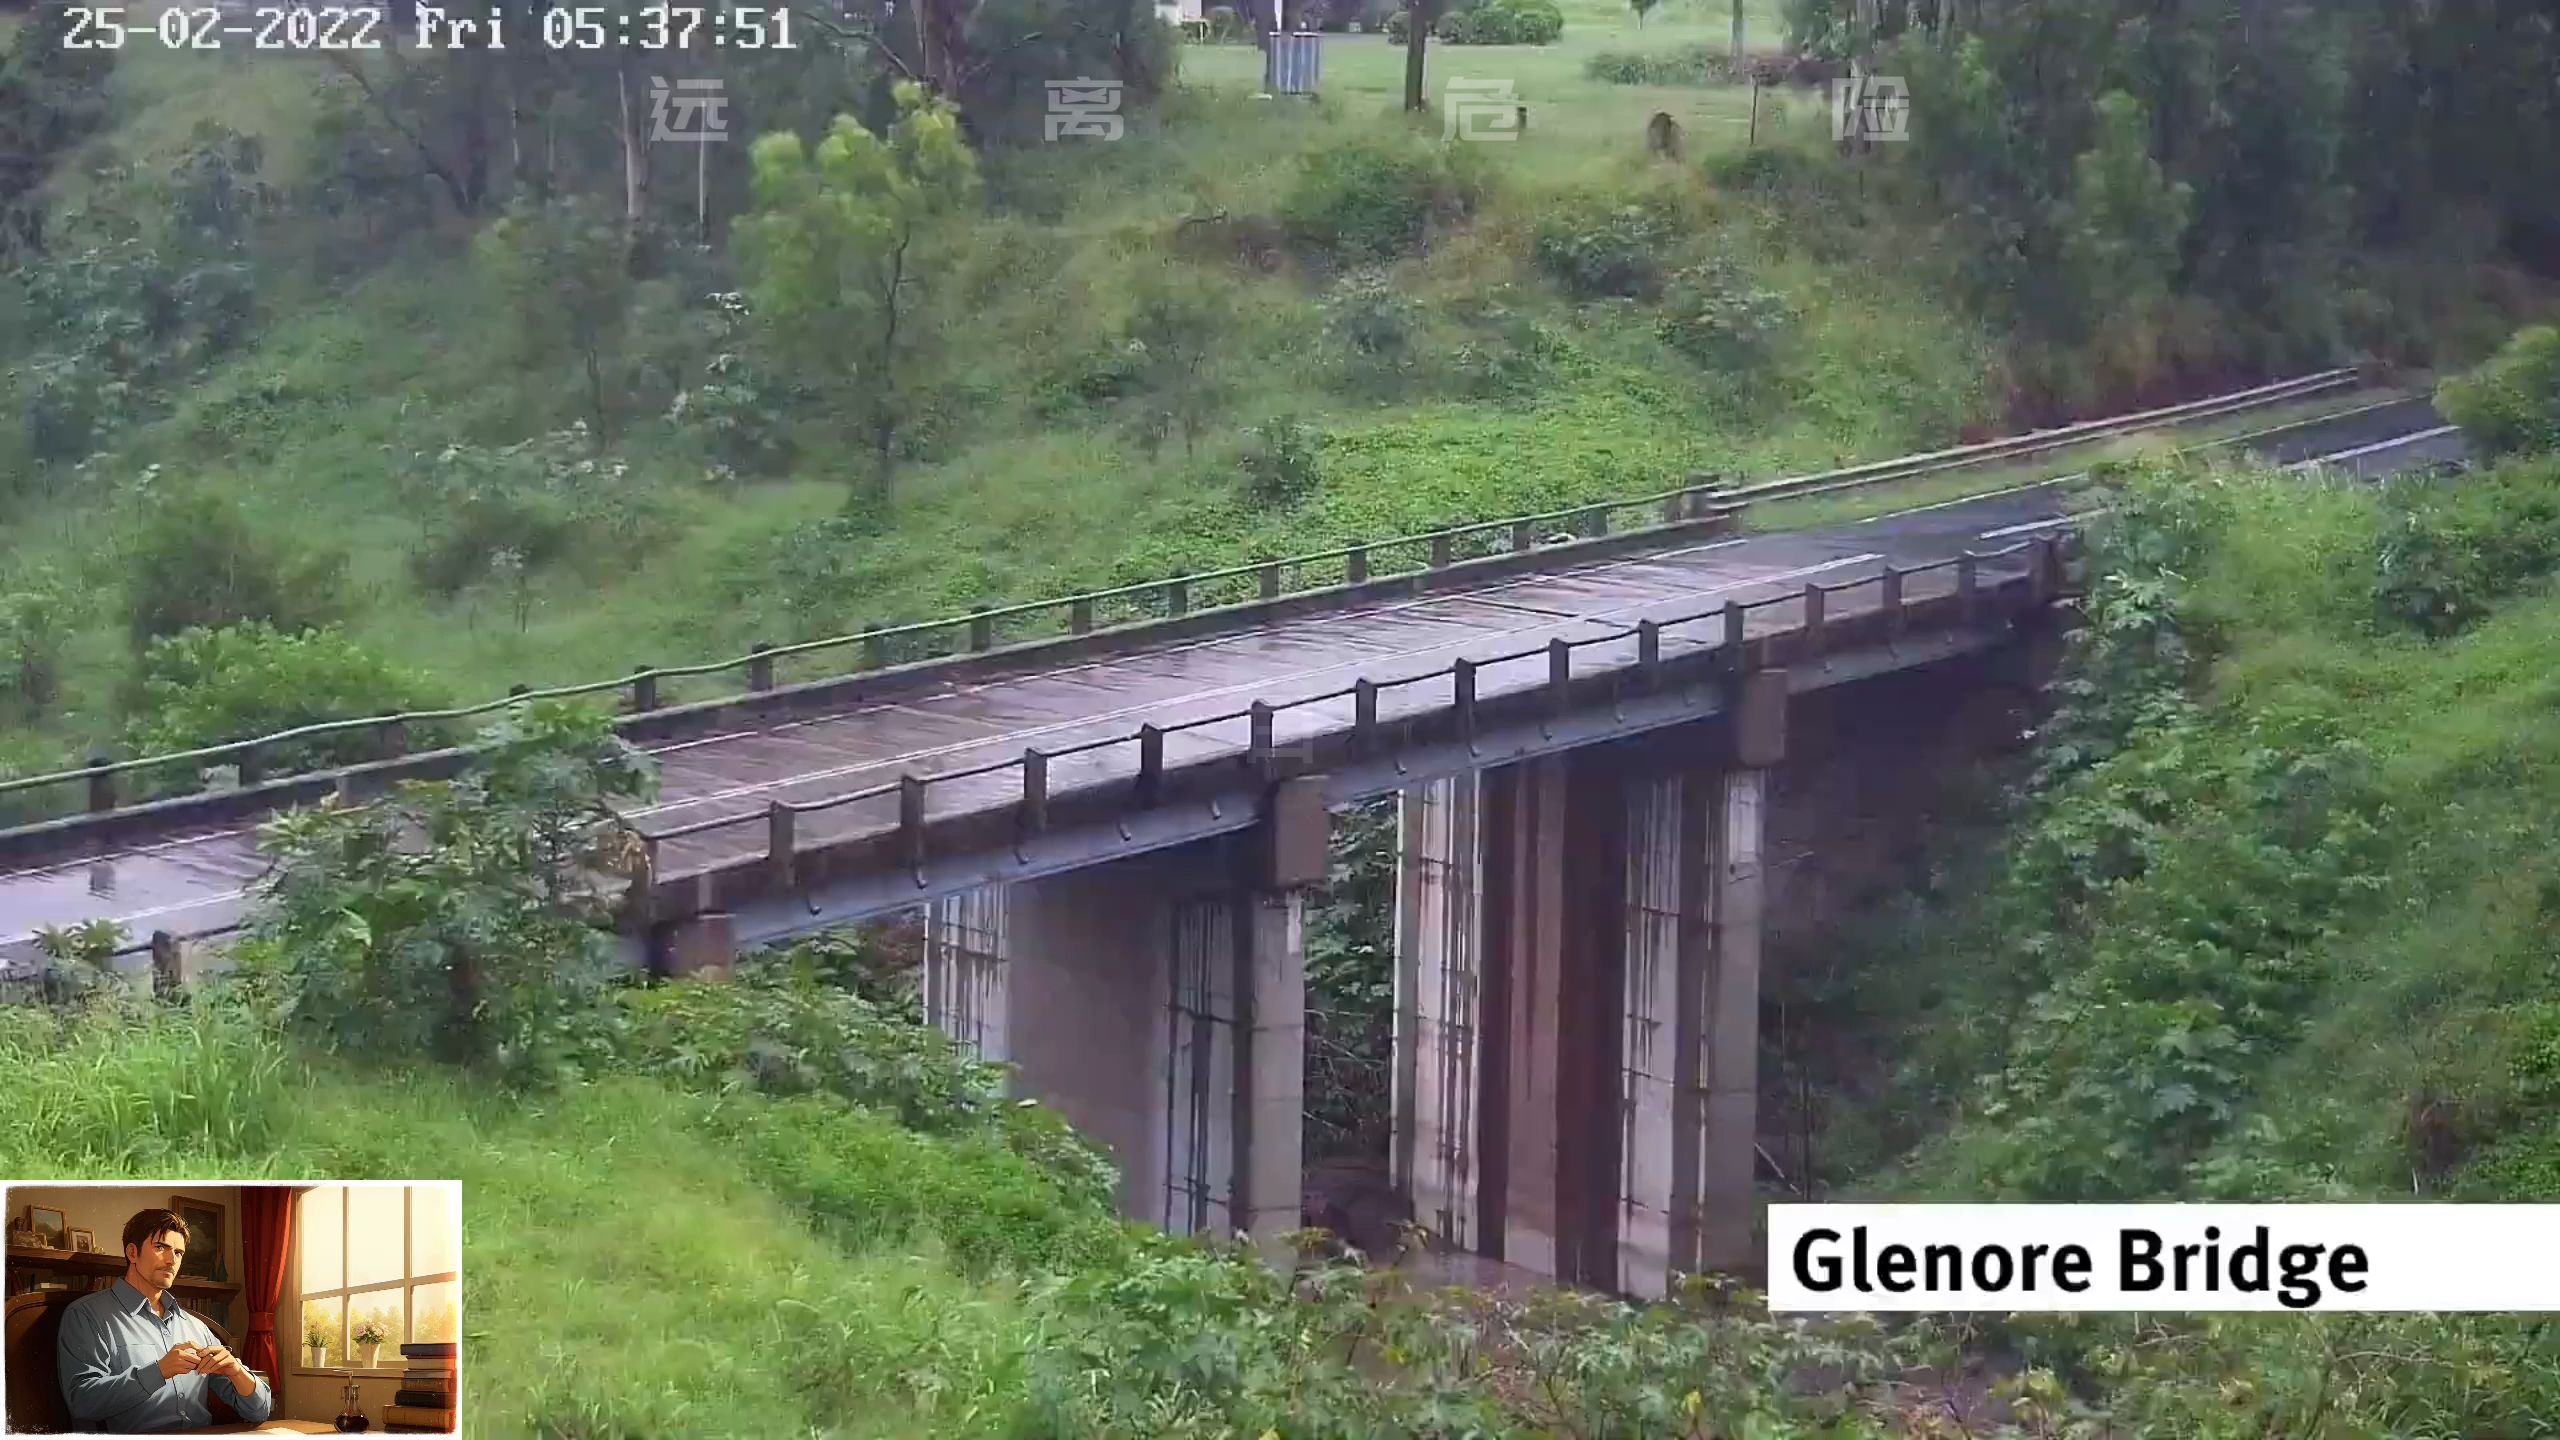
[2010,1258]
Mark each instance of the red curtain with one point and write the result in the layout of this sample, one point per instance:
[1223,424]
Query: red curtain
[266,1232]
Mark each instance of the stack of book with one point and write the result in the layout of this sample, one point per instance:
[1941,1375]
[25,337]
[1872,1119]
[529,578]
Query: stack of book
[427,1390]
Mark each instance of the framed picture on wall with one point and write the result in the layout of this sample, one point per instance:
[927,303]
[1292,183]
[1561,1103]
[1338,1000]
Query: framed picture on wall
[206,1223]
[48,1225]
[84,1242]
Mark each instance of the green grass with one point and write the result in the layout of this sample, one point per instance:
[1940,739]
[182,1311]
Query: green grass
[306,427]
[638,1259]
[1572,117]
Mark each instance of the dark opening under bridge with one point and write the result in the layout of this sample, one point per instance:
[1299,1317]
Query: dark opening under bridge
[1112,826]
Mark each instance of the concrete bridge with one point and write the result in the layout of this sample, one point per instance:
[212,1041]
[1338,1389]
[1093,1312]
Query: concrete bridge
[1592,744]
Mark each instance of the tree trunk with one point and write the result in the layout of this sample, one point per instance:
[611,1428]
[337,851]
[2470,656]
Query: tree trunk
[635,154]
[1417,29]
[1737,34]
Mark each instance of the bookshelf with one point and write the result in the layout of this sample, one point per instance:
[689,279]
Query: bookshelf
[81,1267]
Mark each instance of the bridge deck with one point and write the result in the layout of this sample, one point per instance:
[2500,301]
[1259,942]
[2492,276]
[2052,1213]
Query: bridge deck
[195,881]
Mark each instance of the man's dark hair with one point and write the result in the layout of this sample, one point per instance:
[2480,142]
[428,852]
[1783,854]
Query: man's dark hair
[149,1225]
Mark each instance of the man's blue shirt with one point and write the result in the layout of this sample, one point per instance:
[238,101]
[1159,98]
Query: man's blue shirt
[109,1356]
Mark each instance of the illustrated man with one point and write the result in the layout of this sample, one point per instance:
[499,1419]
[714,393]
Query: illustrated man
[133,1362]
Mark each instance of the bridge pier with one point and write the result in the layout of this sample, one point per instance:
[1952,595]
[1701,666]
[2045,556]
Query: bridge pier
[1159,1004]
[1577,974]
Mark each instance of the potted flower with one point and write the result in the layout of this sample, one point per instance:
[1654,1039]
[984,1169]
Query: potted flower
[367,1340]
[318,1349]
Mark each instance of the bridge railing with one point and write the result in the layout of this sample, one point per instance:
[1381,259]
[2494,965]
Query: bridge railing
[780,819]
[1708,501]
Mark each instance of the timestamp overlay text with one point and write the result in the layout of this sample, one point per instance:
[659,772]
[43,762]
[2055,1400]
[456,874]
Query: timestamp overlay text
[2189,1258]
[341,28]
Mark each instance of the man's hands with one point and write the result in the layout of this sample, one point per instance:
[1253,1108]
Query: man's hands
[182,1359]
[185,1358]
[217,1361]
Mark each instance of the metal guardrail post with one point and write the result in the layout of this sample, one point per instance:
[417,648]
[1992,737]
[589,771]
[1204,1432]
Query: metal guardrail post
[1595,522]
[252,765]
[1559,674]
[780,845]
[1968,587]
[1035,792]
[1364,715]
[395,739]
[1522,538]
[1440,550]
[102,783]
[1257,750]
[1462,700]
[911,822]
[1355,565]
[1150,763]
[2045,567]
[875,648]
[1675,508]
[982,627]
[1891,602]
[1080,617]
[1813,598]
[1271,580]
[1177,598]
[644,690]
[760,667]
[1649,652]
[1737,653]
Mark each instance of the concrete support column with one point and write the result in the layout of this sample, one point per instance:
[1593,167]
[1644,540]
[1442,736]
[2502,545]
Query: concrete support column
[1440,1012]
[1728,1149]
[1662,1048]
[1270,1172]
[965,979]
[1554,831]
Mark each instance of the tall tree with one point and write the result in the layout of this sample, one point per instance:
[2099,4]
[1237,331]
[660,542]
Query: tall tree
[51,98]
[842,259]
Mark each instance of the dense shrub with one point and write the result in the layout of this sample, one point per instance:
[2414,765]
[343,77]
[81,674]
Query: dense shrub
[1505,350]
[491,944]
[196,562]
[35,633]
[2451,551]
[205,687]
[1689,65]
[1373,199]
[1594,249]
[509,510]
[2510,404]
[1280,463]
[787,1027]
[1503,22]
[1715,315]
[1376,326]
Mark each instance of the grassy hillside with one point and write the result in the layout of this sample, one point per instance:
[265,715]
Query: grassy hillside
[2276,921]
[1497,388]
